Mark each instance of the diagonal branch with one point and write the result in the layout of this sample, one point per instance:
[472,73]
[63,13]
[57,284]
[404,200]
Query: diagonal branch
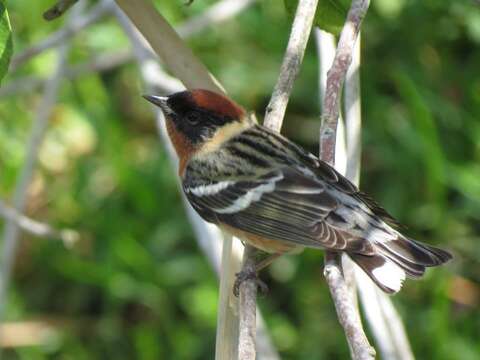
[169,46]
[37,228]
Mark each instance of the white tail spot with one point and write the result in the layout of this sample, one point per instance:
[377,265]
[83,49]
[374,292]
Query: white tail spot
[390,275]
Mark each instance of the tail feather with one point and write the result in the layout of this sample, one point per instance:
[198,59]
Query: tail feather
[396,259]
[412,270]
[415,252]
[387,275]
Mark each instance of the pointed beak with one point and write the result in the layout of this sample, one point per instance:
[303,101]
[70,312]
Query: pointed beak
[160,101]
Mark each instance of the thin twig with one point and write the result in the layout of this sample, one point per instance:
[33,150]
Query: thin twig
[346,309]
[347,312]
[207,234]
[61,36]
[336,77]
[301,28]
[11,231]
[326,46]
[58,9]
[37,228]
[248,308]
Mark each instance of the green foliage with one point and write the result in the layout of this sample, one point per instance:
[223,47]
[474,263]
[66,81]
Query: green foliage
[6,44]
[330,14]
[136,286]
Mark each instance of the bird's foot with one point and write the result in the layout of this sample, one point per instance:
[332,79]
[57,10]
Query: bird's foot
[248,276]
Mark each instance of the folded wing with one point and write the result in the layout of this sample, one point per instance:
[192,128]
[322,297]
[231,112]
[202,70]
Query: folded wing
[285,205]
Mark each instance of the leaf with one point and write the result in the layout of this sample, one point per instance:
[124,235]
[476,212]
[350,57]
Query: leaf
[6,43]
[330,15]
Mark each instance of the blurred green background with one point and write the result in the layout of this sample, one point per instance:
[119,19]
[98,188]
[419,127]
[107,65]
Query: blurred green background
[136,285]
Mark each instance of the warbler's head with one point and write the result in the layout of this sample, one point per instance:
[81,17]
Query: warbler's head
[198,115]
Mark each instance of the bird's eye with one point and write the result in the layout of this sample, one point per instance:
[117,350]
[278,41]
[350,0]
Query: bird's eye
[193,118]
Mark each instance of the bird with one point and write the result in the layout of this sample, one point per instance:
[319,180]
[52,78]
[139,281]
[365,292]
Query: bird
[272,194]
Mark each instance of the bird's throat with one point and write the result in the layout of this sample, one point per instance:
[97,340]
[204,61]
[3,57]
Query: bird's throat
[183,147]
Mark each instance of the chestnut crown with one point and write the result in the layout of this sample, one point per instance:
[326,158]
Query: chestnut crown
[198,113]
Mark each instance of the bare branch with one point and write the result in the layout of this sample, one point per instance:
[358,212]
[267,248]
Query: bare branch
[58,9]
[248,309]
[326,45]
[169,46]
[40,123]
[336,77]
[37,228]
[61,36]
[346,309]
[301,28]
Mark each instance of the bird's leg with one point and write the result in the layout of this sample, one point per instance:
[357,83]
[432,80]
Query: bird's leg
[251,273]
[262,264]
[248,275]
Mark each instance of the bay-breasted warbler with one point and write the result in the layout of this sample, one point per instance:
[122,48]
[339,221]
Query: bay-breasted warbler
[272,194]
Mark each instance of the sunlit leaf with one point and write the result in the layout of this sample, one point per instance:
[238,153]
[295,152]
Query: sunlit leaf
[6,44]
